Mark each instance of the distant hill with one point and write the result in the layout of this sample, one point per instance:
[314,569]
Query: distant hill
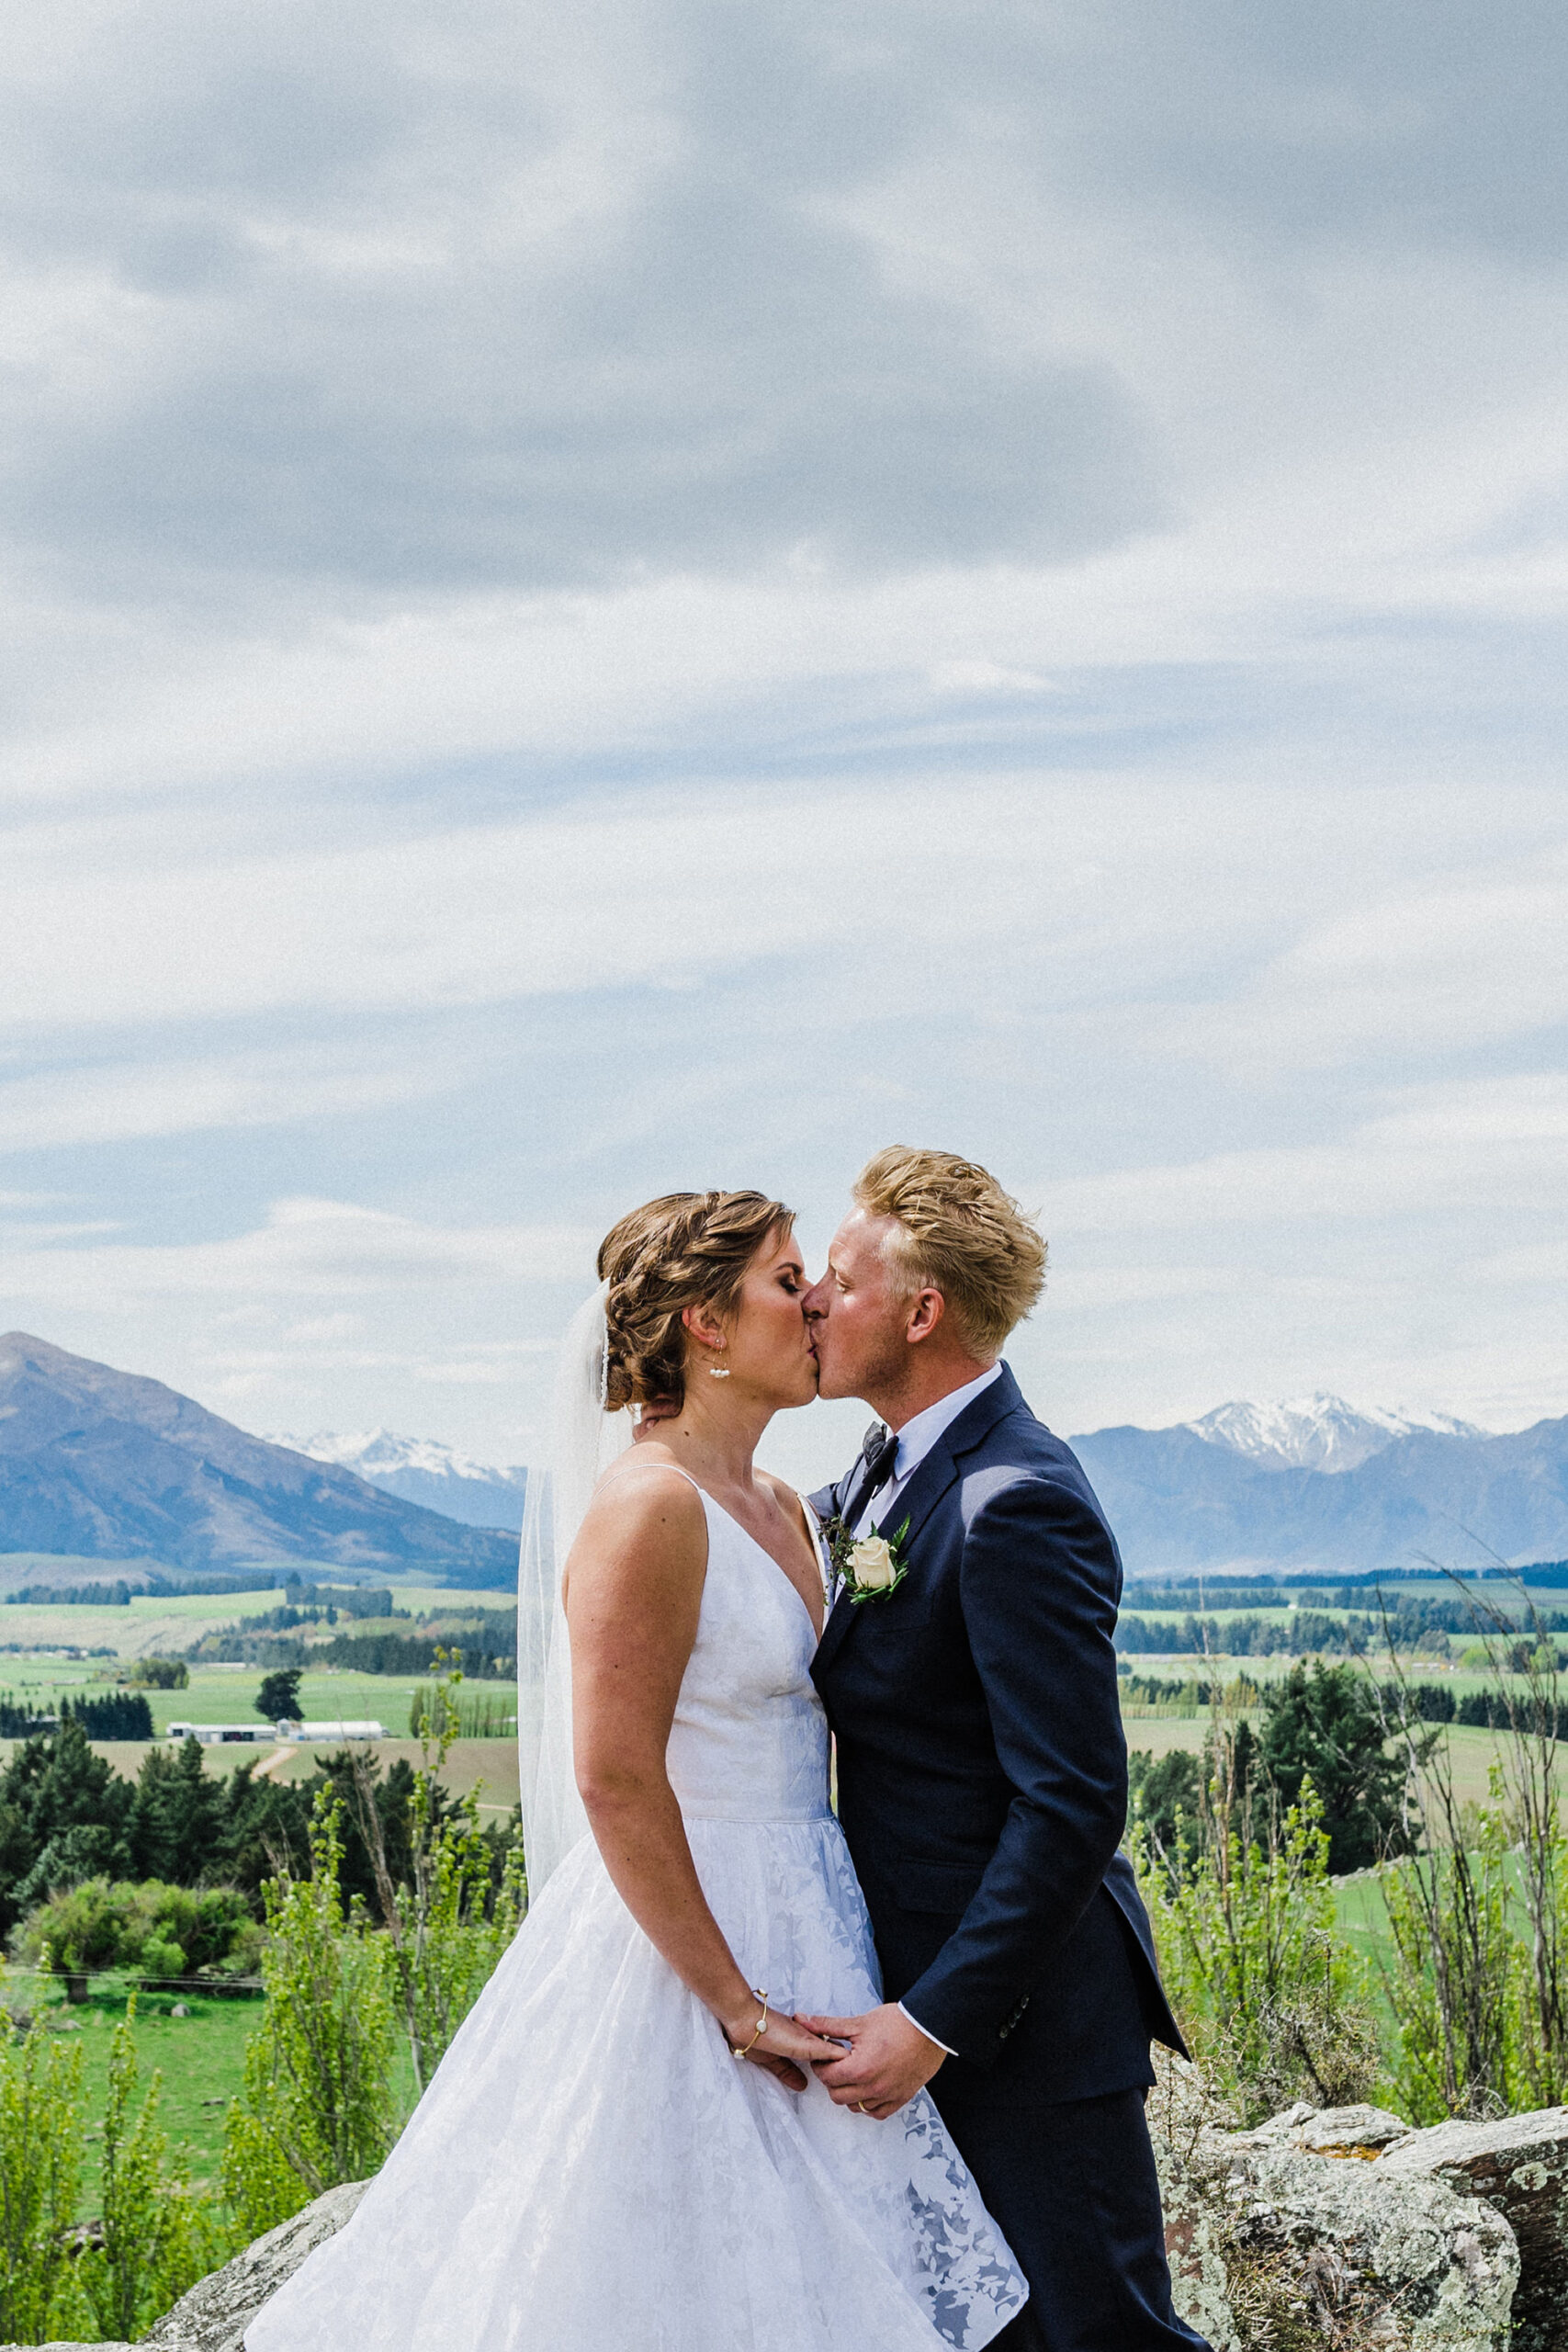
[106,1465]
[423,1470]
[1231,1491]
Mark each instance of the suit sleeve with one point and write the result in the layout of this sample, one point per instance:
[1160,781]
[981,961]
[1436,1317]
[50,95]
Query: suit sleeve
[1039,1584]
[825,1501]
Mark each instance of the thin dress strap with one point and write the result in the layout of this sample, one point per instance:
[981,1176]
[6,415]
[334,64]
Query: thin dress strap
[651,1464]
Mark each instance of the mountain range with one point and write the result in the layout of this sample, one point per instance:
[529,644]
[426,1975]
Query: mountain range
[423,1470]
[1319,1432]
[1317,1484]
[107,1464]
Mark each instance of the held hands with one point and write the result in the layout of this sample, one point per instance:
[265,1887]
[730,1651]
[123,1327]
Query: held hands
[784,2049]
[888,2060]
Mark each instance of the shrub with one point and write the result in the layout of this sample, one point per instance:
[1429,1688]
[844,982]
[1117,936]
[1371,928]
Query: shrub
[317,2105]
[1267,1993]
[481,1715]
[158,2237]
[448,1928]
[151,1930]
[1479,1914]
[1166,1795]
[40,2167]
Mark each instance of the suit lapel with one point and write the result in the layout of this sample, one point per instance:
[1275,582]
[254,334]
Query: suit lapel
[936,1473]
[847,1508]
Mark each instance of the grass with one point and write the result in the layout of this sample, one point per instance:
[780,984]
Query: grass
[201,2057]
[148,1624]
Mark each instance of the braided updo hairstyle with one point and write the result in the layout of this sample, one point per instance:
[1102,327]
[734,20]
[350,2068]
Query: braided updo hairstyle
[685,1249]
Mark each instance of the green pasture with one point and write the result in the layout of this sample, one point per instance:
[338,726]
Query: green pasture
[149,1625]
[201,2057]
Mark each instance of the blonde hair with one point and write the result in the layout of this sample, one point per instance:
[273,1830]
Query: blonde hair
[956,1231]
[683,1249]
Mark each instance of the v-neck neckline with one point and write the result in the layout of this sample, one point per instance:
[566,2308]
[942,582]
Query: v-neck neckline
[776,1566]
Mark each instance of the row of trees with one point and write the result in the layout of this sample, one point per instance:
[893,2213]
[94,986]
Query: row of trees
[118,1715]
[66,1816]
[1304,1630]
[1421,1623]
[1411,1613]
[276,1640]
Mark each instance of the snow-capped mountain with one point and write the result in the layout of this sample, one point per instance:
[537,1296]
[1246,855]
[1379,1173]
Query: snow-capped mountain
[423,1470]
[1315,1483]
[1320,1432]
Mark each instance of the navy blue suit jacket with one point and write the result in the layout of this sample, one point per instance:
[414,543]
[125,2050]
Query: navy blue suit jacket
[983,1770]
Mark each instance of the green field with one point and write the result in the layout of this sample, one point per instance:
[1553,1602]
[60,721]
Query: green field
[33,1666]
[200,2056]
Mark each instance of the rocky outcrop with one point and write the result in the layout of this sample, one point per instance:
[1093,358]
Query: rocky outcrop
[1343,2219]
[215,2314]
[1519,2167]
[1304,2220]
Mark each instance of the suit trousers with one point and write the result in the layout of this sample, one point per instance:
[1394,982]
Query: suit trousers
[1074,2190]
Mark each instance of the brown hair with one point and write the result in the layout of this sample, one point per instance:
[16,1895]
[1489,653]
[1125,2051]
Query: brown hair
[684,1249]
[956,1230]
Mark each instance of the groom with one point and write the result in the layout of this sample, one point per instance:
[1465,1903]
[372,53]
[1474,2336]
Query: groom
[982,1768]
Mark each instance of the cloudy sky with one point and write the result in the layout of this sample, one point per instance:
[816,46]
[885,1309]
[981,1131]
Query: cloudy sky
[609,598]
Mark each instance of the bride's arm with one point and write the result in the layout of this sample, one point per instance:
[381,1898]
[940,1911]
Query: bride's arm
[634,1589]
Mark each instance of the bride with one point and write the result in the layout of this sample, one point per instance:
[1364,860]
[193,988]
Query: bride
[625,2149]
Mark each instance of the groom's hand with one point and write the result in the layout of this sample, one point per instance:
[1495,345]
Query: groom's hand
[888,2059]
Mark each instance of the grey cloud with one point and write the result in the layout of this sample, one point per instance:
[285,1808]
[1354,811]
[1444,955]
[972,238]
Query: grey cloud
[1413,127]
[367,316]
[704,370]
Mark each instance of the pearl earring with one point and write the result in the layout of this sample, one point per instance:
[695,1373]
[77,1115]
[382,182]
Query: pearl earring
[719,1372]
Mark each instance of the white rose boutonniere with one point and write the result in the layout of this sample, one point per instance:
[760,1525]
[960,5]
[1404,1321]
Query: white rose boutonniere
[870,1565]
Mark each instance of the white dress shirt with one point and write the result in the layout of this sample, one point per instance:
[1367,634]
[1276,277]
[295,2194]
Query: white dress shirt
[916,1439]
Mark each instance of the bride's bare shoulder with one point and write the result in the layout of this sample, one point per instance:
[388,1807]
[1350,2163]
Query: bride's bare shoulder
[645,1531]
[646,1488]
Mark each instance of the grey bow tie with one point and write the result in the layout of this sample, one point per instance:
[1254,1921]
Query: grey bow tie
[880,1454]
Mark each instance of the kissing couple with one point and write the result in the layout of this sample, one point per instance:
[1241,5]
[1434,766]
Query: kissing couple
[753,2077]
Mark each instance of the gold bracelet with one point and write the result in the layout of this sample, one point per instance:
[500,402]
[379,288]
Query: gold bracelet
[736,2050]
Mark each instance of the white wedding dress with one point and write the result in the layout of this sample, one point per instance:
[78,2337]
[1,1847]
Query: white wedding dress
[590,2171]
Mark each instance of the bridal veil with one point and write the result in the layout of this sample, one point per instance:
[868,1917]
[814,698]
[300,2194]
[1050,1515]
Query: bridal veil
[585,1441]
